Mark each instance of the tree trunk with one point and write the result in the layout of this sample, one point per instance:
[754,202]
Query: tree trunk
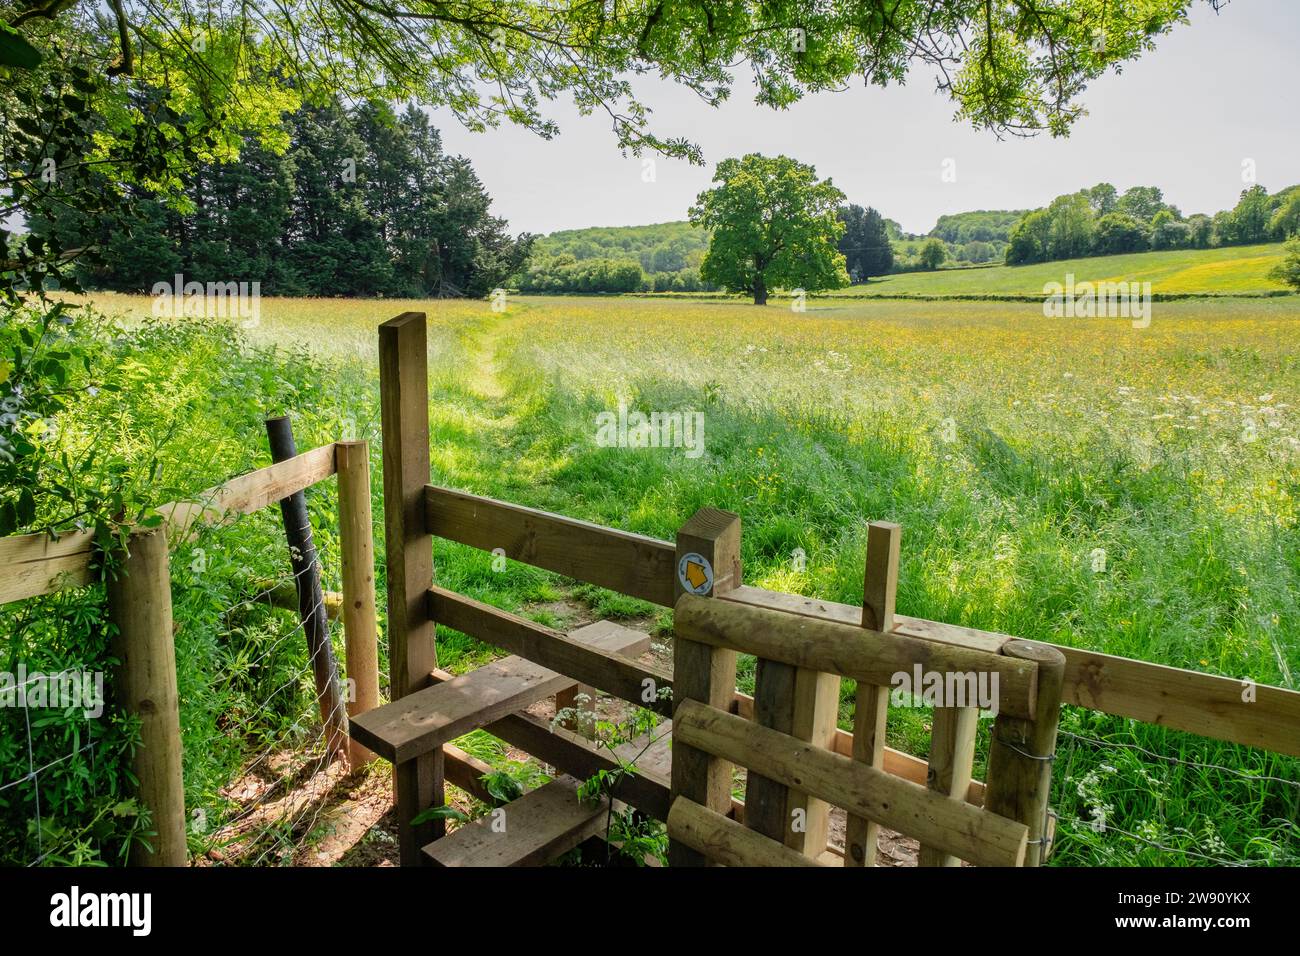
[760,291]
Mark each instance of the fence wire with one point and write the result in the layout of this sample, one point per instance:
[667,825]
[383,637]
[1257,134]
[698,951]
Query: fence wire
[1120,800]
[52,723]
[264,800]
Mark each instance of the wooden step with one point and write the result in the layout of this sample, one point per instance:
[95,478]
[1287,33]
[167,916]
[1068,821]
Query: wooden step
[423,721]
[606,636]
[612,637]
[539,827]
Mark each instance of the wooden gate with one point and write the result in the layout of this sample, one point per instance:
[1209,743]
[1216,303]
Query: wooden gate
[794,777]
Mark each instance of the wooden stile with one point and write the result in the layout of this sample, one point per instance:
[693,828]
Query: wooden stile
[703,673]
[423,721]
[531,831]
[404,405]
[1021,752]
[849,650]
[360,621]
[586,663]
[953,825]
[871,701]
[725,841]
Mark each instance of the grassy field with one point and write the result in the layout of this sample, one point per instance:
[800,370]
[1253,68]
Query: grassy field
[1235,270]
[1077,481]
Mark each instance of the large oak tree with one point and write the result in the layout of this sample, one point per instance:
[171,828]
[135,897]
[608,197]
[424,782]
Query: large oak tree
[774,224]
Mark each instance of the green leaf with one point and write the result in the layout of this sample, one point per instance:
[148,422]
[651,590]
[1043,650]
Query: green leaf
[16,51]
[502,786]
[26,507]
[439,813]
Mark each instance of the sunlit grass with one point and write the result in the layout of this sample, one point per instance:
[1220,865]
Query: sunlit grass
[1228,270]
[1012,448]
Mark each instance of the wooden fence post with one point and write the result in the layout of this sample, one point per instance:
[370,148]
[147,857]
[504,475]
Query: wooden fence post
[360,627]
[404,403]
[702,672]
[311,599]
[952,753]
[140,608]
[871,703]
[804,704]
[1021,752]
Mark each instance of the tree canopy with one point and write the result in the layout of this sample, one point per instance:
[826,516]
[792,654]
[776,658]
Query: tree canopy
[146,90]
[774,224]
[1101,221]
[865,243]
[364,202]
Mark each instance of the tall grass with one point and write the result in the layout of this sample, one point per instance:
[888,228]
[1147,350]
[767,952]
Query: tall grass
[1076,481]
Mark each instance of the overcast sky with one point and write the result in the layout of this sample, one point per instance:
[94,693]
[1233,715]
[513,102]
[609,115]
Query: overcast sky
[1213,94]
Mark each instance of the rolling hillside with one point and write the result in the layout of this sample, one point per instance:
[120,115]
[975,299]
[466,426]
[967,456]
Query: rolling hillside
[1236,270]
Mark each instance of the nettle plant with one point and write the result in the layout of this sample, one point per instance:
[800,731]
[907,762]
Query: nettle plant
[633,835]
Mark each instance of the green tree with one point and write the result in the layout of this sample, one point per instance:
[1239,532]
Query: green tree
[1072,226]
[1286,215]
[1141,202]
[335,242]
[1171,234]
[1202,228]
[865,243]
[933,254]
[1103,198]
[774,225]
[1118,232]
[1251,216]
[1288,270]
[1030,239]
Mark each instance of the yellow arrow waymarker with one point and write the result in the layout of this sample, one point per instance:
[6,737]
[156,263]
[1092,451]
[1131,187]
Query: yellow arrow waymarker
[696,574]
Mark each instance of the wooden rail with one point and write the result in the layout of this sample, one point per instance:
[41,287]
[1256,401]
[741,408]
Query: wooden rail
[1191,701]
[954,826]
[628,563]
[37,564]
[612,673]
